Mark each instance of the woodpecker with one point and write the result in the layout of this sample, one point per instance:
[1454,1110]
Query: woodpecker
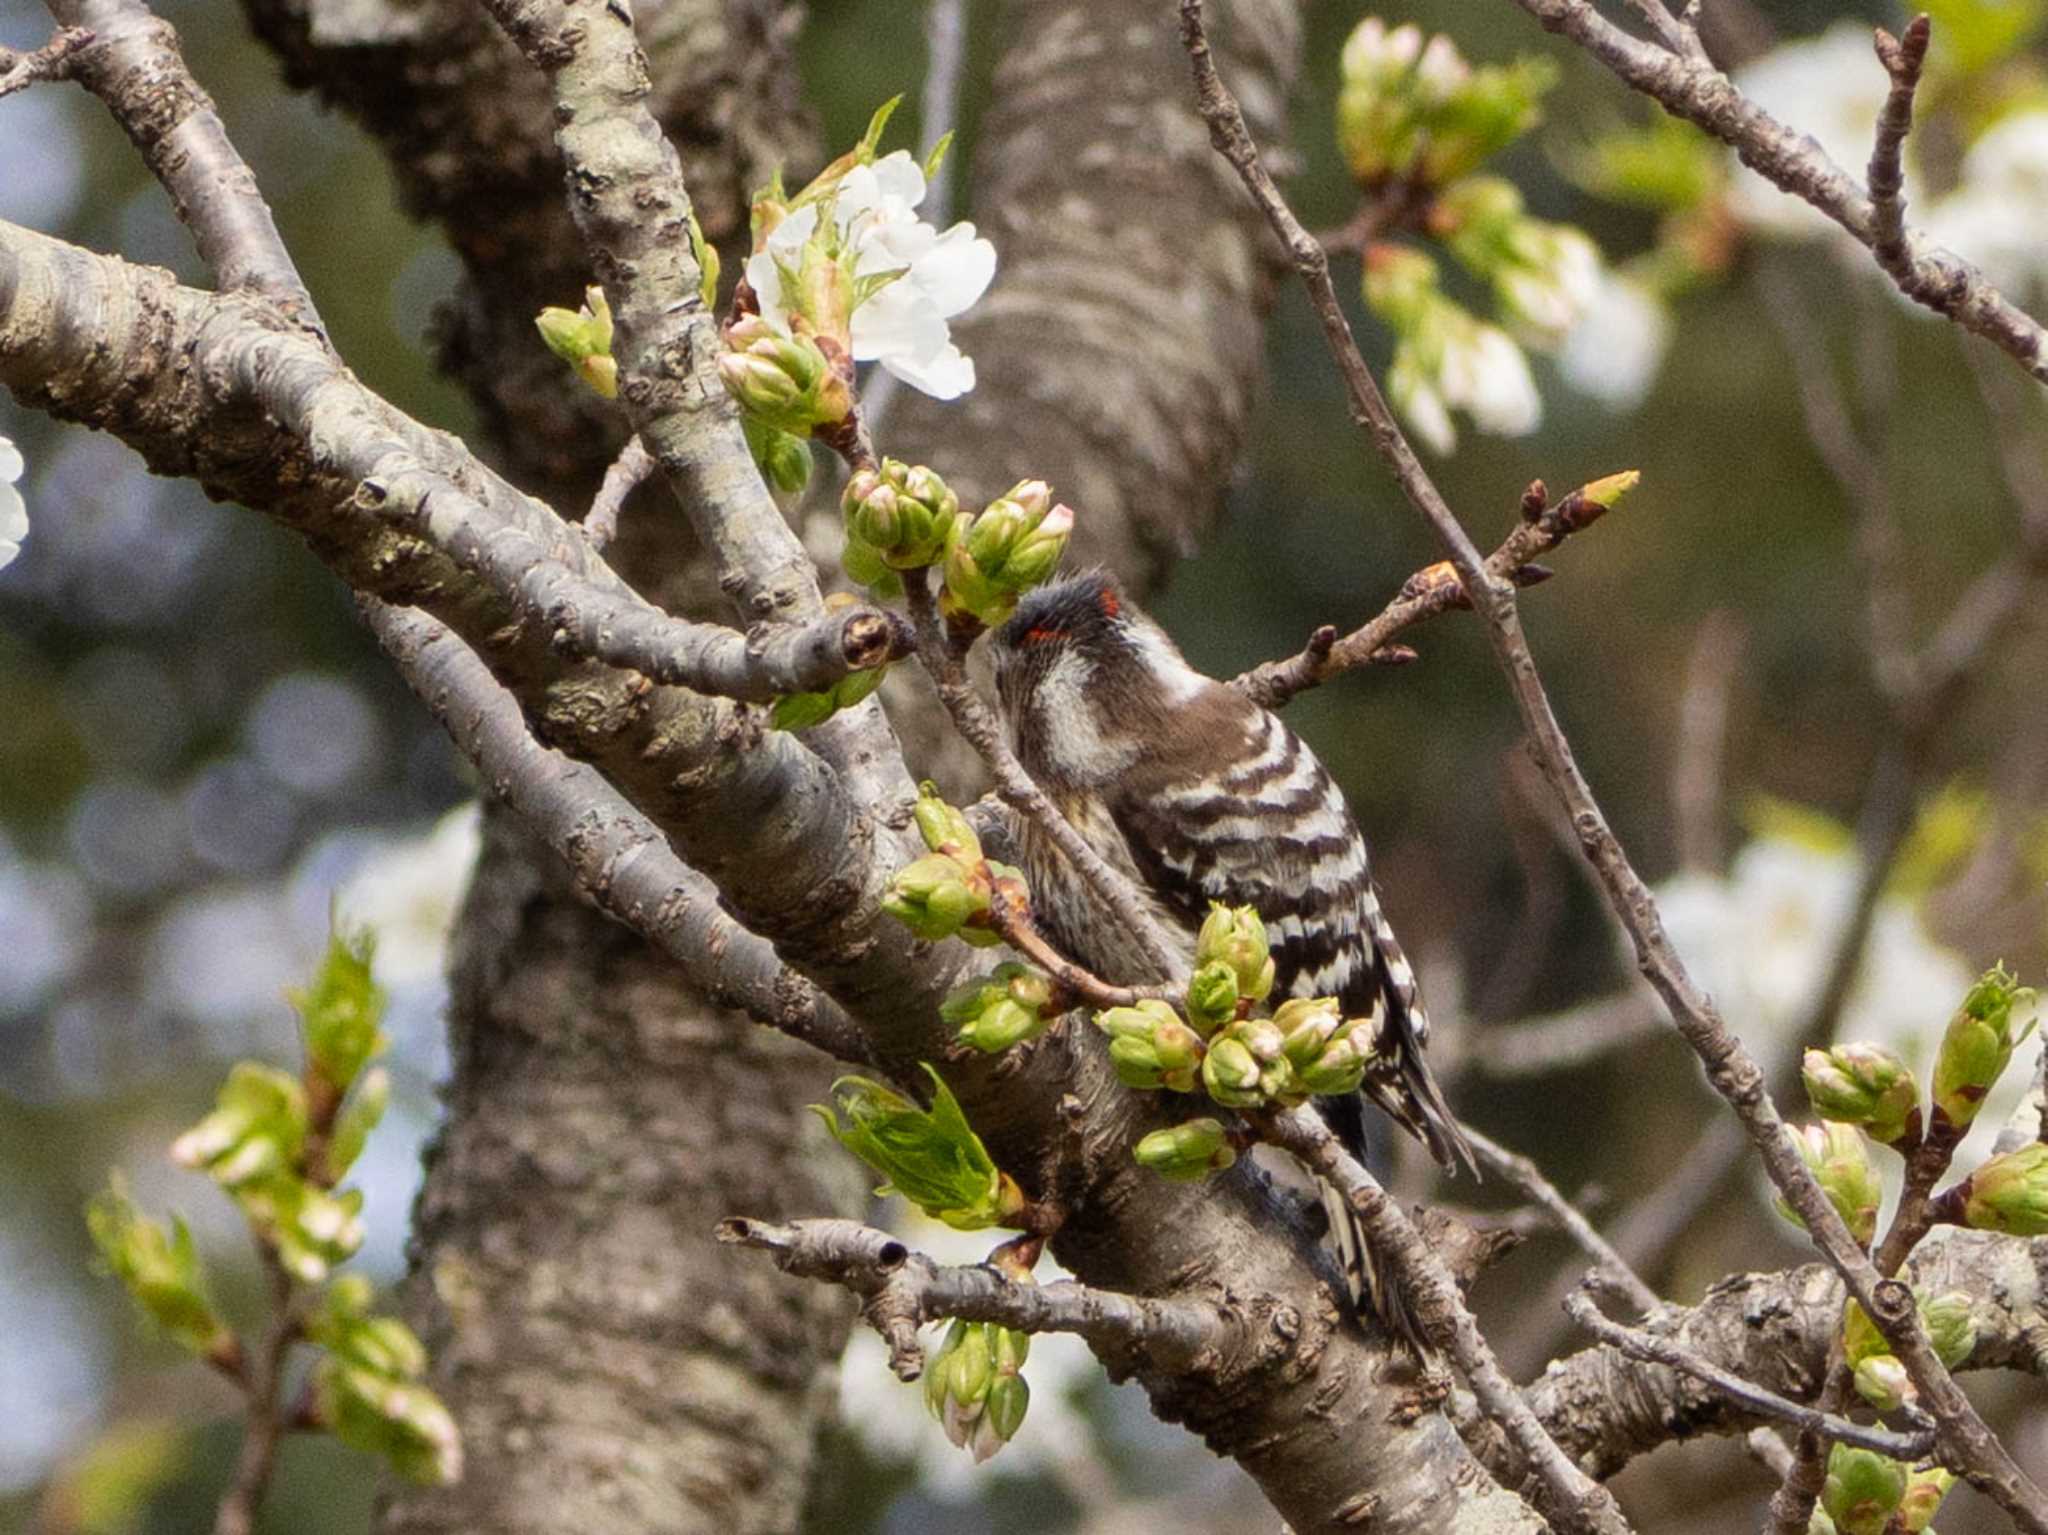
[1198,794]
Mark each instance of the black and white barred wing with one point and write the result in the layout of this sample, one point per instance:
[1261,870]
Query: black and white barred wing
[1267,827]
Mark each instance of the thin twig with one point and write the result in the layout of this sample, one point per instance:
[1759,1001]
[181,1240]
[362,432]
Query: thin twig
[1528,1177]
[1662,22]
[902,1290]
[1432,590]
[1967,1441]
[1573,1501]
[978,727]
[1651,1349]
[1902,57]
[55,60]
[264,1421]
[1010,915]
[626,474]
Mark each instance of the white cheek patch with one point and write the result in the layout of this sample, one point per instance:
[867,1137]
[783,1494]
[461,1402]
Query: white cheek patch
[1073,736]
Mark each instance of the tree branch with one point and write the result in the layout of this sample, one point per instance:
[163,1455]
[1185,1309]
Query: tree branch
[902,1290]
[1694,90]
[1528,1177]
[55,60]
[1902,57]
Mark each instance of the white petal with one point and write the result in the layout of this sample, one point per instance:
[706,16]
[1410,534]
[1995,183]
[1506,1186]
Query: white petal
[766,281]
[897,322]
[898,175]
[10,461]
[945,376]
[788,237]
[885,246]
[858,192]
[957,271]
[14,519]
[1614,352]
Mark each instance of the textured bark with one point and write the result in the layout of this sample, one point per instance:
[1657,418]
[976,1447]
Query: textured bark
[608,1363]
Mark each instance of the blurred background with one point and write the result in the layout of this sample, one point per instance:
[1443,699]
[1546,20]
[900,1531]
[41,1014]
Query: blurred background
[202,754]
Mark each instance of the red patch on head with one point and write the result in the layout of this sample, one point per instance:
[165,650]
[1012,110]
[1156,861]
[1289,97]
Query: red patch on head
[1110,606]
[1038,634]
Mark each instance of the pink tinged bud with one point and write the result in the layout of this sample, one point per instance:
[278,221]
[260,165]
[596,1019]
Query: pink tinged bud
[2010,1193]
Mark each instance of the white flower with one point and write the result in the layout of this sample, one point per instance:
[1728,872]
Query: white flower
[1555,283]
[1615,350]
[1487,375]
[407,892]
[1421,405]
[1996,214]
[1372,49]
[13,510]
[1831,87]
[904,325]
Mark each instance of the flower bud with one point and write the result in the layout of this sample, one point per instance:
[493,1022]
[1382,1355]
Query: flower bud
[1862,1489]
[784,460]
[257,1130]
[1151,1047]
[1002,1009]
[401,1421]
[2010,1193]
[783,380]
[583,339]
[1188,1151]
[944,828]
[311,1230]
[159,1267]
[1307,1025]
[1212,997]
[902,512]
[361,1114]
[1867,1085]
[1978,1045]
[936,896]
[1951,1326]
[1231,1074]
[1235,936]
[1010,547]
[1883,1382]
[932,1157]
[1339,1069]
[1860,1337]
[1926,1486]
[864,567]
[1839,1159]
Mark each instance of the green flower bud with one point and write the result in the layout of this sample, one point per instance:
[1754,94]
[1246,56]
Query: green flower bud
[1212,996]
[1951,1326]
[974,1368]
[1860,1337]
[1001,1009]
[340,1011]
[1151,1047]
[1867,1085]
[312,1230]
[1008,1399]
[1862,1489]
[1926,1486]
[583,339]
[1883,1382]
[931,1157]
[1607,491]
[938,1369]
[865,568]
[1186,1152]
[1014,544]
[1339,1069]
[1839,1159]
[944,829]
[400,1421]
[1234,935]
[1307,1025]
[783,380]
[784,460]
[1231,1074]
[258,1129]
[160,1270]
[903,512]
[1978,1044]
[2010,1193]
[358,1117]
[936,896]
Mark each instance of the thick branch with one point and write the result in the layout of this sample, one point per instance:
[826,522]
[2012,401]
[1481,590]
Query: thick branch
[903,1290]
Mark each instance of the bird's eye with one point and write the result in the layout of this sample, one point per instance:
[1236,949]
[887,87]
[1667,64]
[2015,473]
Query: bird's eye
[1038,634]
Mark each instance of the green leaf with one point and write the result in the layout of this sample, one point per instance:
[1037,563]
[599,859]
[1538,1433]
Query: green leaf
[937,157]
[872,139]
[159,1267]
[931,1157]
[707,263]
[340,1011]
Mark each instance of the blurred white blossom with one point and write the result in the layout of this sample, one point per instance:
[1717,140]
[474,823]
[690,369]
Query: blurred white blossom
[13,510]
[1830,87]
[406,892]
[903,325]
[891,1419]
[1615,351]
[1997,214]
